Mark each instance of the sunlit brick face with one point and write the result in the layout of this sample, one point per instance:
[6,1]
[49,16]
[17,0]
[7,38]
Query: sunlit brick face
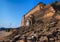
[49,12]
[37,8]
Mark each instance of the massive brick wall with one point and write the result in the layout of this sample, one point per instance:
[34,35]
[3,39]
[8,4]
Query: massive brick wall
[48,12]
[36,8]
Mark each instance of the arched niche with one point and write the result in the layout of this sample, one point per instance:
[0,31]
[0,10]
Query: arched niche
[28,22]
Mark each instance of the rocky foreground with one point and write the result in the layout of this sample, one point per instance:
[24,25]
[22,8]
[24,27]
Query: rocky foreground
[36,33]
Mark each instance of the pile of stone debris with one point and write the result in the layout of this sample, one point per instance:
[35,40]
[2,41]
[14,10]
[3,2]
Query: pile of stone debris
[48,32]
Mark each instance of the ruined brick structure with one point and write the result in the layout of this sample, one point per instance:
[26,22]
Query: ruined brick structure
[45,21]
[40,10]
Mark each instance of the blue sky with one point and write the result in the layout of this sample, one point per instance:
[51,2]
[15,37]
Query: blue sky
[11,11]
